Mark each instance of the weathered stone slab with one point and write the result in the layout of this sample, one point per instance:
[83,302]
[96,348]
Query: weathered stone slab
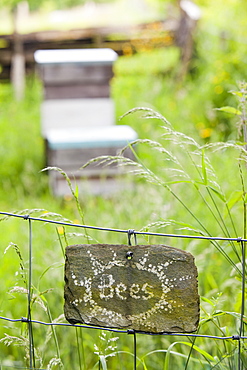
[153,288]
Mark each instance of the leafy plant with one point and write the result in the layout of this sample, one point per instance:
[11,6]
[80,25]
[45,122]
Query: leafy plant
[106,348]
[188,165]
[36,297]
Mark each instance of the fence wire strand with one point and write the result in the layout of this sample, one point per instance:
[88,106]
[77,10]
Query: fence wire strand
[134,232]
[129,232]
[127,331]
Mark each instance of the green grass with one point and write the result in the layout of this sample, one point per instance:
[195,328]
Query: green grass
[193,189]
[130,209]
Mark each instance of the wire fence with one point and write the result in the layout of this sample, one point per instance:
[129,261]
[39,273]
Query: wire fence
[239,336]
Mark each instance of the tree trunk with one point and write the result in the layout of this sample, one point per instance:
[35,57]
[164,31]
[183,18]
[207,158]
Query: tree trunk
[190,15]
[18,59]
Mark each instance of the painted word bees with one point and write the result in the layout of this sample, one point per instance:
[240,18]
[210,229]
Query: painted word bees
[145,288]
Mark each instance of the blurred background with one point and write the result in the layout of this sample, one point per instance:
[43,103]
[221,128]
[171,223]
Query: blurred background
[179,58]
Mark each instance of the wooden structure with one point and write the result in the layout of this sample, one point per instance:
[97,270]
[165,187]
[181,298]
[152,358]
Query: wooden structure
[150,288]
[177,30]
[120,39]
[77,115]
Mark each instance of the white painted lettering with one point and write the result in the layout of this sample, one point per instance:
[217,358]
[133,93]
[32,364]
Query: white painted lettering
[106,289]
[146,291]
[120,289]
[134,289]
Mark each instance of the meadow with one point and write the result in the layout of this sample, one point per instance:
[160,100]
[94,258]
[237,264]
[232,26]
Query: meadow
[189,178]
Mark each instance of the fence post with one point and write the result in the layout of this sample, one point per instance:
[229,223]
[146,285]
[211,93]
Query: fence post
[29,316]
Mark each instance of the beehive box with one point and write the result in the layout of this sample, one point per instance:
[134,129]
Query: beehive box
[71,150]
[78,115]
[76,73]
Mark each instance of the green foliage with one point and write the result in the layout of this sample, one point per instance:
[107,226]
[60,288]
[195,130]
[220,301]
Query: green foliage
[217,66]
[186,182]
[182,167]
[155,63]
[37,4]
[11,4]
[22,148]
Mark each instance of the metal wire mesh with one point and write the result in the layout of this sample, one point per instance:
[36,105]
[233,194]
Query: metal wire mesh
[30,321]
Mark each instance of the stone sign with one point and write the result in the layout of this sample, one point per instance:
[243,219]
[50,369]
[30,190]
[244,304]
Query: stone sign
[151,288]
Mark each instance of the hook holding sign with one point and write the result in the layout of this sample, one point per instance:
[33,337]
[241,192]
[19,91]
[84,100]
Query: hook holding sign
[130,233]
